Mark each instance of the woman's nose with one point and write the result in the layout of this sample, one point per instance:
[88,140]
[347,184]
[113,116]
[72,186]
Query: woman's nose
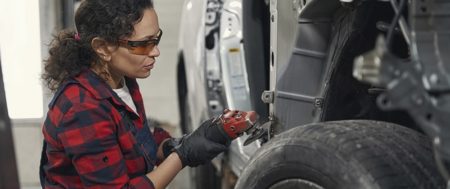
[154,52]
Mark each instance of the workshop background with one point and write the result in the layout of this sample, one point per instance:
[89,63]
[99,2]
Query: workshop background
[26,29]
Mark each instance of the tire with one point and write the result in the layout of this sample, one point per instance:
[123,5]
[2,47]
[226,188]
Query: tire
[344,155]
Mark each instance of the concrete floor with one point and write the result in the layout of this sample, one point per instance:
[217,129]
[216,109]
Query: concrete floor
[159,93]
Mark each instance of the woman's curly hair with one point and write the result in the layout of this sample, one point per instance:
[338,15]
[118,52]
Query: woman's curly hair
[107,19]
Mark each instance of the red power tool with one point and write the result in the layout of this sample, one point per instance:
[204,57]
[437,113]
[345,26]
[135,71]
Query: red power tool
[235,123]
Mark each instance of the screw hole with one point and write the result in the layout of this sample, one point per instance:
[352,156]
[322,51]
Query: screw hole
[429,116]
[385,101]
[423,9]
[273,59]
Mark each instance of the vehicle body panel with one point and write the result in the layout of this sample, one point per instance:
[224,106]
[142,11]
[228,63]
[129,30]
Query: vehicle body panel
[299,44]
[216,74]
[303,70]
[234,77]
[192,49]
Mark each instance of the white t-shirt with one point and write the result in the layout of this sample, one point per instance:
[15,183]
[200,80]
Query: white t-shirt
[125,95]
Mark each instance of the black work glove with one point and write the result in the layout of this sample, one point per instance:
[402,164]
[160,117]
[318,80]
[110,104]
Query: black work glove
[202,145]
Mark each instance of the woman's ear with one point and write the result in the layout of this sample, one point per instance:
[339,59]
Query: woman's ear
[100,47]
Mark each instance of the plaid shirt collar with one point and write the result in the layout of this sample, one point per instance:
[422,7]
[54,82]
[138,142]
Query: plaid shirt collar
[101,90]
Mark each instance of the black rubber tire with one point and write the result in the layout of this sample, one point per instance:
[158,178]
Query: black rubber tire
[345,155]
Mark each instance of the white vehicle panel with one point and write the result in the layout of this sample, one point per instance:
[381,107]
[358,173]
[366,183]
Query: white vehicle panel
[192,41]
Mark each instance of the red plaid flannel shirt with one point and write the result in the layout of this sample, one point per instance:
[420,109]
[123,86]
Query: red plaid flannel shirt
[88,142]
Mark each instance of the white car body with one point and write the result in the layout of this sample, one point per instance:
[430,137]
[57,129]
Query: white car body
[193,50]
[224,63]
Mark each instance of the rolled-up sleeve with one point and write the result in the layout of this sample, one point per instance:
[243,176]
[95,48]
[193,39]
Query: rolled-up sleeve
[160,135]
[89,136]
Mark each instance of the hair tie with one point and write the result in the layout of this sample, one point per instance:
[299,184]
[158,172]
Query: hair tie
[77,37]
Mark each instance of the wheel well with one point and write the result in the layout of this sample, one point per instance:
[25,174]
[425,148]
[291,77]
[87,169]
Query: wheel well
[182,92]
[347,98]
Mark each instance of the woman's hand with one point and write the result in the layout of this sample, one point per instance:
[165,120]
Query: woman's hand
[202,145]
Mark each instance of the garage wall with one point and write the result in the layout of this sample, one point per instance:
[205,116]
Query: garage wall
[159,90]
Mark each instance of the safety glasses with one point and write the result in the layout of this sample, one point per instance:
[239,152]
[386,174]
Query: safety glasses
[141,47]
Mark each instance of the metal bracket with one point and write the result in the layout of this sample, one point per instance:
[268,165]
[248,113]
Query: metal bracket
[268,97]
[430,21]
[420,86]
[318,103]
[406,89]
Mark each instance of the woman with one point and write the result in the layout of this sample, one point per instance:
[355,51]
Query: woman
[96,134]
